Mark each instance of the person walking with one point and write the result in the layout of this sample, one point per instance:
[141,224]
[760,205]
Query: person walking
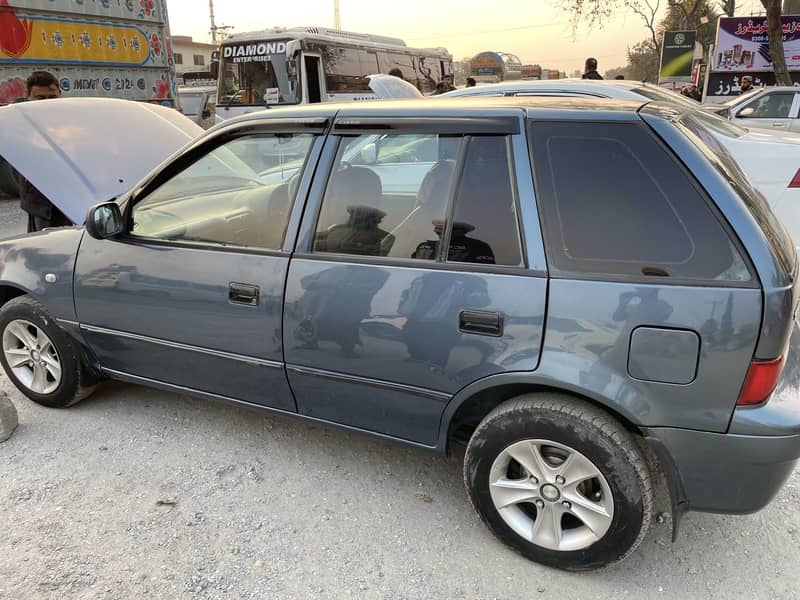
[590,70]
[40,85]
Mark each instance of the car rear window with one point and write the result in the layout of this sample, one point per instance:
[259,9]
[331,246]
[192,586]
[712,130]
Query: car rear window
[614,202]
[659,95]
[782,245]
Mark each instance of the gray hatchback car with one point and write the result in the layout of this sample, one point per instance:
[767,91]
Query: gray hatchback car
[587,294]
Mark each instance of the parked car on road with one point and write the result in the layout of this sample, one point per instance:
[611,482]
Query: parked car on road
[771,108]
[583,292]
[769,158]
[199,103]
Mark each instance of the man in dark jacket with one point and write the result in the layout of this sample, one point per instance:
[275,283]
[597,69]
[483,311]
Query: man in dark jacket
[41,85]
[590,72]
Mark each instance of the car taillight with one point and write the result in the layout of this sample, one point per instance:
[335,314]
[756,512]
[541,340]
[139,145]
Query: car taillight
[762,379]
[795,182]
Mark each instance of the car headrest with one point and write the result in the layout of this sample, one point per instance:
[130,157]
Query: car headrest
[357,186]
[436,183]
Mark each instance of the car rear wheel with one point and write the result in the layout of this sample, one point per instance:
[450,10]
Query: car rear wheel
[560,481]
[39,357]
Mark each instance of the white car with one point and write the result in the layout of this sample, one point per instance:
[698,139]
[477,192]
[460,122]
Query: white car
[769,158]
[773,108]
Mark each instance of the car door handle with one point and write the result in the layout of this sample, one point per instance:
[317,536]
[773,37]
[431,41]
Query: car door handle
[481,322]
[242,293]
[779,124]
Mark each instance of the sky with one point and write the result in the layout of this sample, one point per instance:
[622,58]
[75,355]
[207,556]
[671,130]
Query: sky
[535,30]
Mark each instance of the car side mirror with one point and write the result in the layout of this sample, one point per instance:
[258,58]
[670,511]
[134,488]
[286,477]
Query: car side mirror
[105,221]
[369,154]
[746,112]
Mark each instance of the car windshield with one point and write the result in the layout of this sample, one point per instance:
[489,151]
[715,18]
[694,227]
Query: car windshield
[706,140]
[659,95]
[252,81]
[743,98]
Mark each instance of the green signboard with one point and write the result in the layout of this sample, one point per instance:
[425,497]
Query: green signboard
[676,56]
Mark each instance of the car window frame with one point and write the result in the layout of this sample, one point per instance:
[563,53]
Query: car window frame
[760,97]
[317,127]
[555,273]
[430,126]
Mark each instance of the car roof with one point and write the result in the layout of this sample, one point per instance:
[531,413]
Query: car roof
[600,87]
[454,108]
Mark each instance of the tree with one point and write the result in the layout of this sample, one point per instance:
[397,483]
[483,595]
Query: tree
[643,62]
[728,7]
[775,33]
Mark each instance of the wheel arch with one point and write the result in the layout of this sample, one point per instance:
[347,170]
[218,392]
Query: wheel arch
[469,406]
[9,292]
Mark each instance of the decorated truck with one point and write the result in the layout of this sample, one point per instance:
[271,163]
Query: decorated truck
[104,48]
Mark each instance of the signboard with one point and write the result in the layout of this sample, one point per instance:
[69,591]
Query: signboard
[721,86]
[255,52]
[743,44]
[677,54]
[487,66]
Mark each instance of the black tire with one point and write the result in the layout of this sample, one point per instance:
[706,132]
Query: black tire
[581,427]
[76,383]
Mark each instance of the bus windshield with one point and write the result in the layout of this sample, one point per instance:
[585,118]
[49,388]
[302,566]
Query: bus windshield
[255,79]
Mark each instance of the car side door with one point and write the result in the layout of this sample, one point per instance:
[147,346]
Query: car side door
[771,110]
[191,296]
[394,304]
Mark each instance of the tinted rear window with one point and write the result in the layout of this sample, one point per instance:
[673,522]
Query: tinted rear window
[782,245]
[615,202]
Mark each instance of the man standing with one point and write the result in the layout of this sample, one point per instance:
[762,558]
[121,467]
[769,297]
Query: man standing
[746,84]
[41,85]
[590,72]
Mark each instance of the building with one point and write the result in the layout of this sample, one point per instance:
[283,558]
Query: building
[191,56]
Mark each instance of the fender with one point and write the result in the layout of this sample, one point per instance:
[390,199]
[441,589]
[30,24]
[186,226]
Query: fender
[560,372]
[43,265]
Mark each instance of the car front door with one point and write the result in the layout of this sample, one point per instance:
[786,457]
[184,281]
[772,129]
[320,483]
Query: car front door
[382,322]
[191,296]
[772,110]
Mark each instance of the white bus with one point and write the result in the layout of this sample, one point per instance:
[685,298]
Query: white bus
[313,64]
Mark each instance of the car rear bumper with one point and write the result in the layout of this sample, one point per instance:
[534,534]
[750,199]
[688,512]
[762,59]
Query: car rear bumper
[742,470]
[725,473]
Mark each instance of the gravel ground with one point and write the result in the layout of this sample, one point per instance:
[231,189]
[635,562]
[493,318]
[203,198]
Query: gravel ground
[136,493]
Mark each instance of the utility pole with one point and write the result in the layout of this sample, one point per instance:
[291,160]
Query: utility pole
[337,18]
[213,24]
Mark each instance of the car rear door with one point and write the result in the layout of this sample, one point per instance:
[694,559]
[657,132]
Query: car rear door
[383,324]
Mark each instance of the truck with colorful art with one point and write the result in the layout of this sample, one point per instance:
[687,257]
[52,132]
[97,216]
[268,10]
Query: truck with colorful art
[103,48]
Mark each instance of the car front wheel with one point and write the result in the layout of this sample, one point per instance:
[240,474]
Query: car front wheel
[39,357]
[560,481]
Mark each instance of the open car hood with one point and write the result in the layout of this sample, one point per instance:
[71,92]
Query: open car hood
[81,151]
[389,86]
